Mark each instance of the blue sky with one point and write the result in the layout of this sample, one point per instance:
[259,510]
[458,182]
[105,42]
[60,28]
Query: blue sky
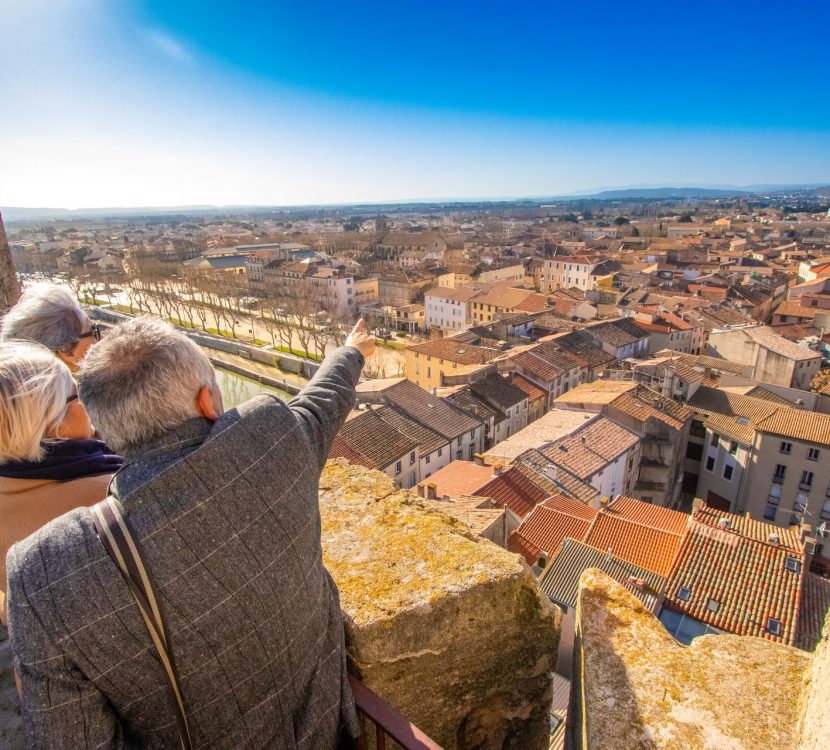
[124,102]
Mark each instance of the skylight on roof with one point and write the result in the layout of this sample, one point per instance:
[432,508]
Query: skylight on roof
[742,420]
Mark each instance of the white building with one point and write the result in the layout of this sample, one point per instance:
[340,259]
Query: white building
[566,271]
[448,309]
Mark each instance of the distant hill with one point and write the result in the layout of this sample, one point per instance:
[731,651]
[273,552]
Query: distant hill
[18,214]
[714,191]
[664,193]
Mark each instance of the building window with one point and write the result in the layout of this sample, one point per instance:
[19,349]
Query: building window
[713,605]
[733,448]
[412,458]
[429,372]
[779,473]
[440,451]
[727,472]
[786,447]
[812,454]
[773,626]
[426,460]
[710,463]
[825,511]
[684,594]
[715,439]
[458,440]
[793,565]
[806,480]
[398,468]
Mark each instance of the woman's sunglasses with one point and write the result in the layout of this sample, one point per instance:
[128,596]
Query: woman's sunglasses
[94,331]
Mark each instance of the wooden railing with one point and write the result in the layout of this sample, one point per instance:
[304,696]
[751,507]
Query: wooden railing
[386,722]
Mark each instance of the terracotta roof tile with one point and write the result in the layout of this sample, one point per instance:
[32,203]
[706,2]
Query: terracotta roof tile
[798,424]
[591,447]
[458,478]
[549,524]
[533,391]
[740,570]
[456,351]
[654,549]
[381,443]
[431,411]
[341,449]
[513,490]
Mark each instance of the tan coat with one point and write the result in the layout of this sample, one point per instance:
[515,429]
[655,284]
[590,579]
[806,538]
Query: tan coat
[28,504]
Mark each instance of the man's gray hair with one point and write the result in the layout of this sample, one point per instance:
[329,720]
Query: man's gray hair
[141,381]
[48,314]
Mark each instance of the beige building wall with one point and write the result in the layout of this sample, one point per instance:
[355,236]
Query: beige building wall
[767,499]
[723,468]
[426,371]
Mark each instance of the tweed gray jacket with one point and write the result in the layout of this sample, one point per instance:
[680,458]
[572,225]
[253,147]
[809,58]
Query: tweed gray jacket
[228,521]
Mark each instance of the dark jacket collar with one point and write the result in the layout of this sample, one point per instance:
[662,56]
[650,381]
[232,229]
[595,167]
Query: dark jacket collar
[147,460]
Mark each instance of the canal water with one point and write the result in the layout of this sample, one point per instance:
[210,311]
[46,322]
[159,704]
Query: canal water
[236,389]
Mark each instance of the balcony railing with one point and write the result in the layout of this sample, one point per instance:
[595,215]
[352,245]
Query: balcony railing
[386,722]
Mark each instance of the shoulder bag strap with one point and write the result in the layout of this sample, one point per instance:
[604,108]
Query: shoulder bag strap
[123,549]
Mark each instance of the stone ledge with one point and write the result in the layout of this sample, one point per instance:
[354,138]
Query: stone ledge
[636,687]
[446,626]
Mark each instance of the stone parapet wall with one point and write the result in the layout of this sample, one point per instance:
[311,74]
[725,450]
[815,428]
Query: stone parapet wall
[814,729]
[446,626]
[636,688]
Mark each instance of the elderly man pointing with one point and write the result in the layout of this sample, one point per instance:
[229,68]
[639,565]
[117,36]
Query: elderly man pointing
[223,509]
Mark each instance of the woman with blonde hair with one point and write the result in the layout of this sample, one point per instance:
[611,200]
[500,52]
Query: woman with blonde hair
[49,461]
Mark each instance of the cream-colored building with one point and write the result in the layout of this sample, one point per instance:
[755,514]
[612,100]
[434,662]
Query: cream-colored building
[566,271]
[775,360]
[788,479]
[447,361]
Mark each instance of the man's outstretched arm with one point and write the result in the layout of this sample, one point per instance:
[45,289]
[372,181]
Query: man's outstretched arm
[323,405]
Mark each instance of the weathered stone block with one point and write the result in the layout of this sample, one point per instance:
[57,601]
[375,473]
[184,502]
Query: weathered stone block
[635,687]
[446,626]
[814,730]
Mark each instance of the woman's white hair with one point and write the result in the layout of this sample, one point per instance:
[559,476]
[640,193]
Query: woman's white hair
[141,381]
[48,314]
[34,386]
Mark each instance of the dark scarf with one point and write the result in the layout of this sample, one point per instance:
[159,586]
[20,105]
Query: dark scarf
[66,459]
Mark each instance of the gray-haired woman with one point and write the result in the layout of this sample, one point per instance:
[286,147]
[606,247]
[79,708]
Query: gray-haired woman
[50,315]
[49,463]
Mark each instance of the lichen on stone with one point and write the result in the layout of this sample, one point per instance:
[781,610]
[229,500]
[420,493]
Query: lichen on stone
[445,625]
[643,689]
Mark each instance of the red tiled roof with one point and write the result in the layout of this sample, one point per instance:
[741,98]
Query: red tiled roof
[533,391]
[537,366]
[513,490]
[654,549]
[458,478]
[648,514]
[742,571]
[341,449]
[549,523]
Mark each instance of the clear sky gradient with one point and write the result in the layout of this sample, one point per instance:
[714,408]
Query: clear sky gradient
[160,103]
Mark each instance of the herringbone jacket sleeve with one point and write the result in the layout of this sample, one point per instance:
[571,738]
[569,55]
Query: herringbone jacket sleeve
[323,405]
[61,707]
